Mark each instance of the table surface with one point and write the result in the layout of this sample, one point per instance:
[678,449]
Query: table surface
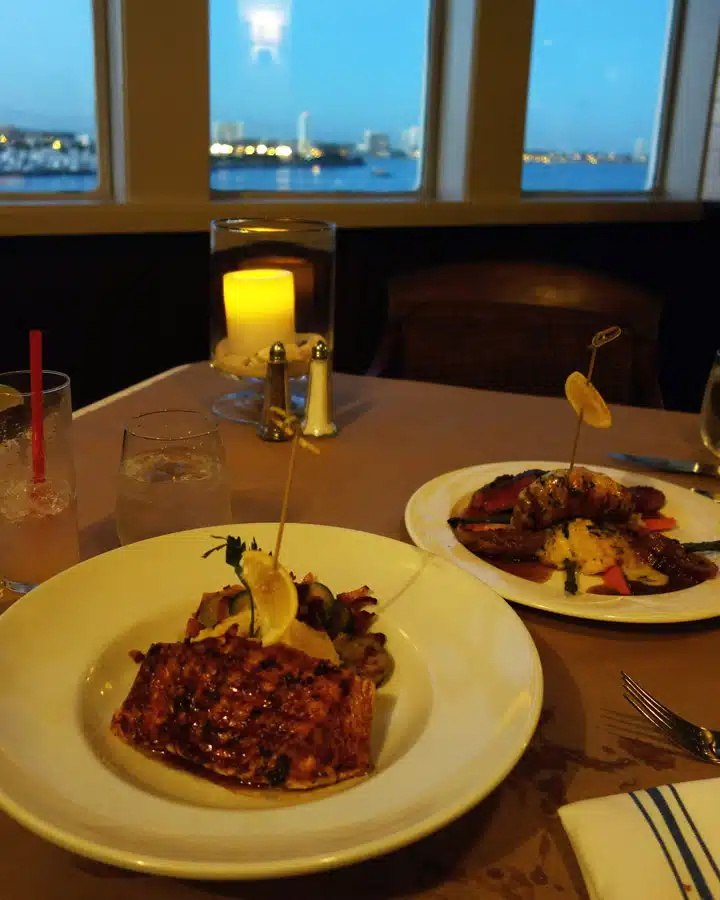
[395,435]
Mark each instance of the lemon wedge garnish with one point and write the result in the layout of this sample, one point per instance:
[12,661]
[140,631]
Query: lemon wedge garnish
[584,397]
[274,595]
[9,397]
[315,643]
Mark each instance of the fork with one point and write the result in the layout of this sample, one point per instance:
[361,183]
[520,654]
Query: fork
[696,739]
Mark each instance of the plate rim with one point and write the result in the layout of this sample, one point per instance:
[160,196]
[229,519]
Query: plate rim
[102,851]
[476,566]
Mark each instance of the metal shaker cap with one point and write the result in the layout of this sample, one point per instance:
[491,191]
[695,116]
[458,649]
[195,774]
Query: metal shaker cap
[320,350]
[277,353]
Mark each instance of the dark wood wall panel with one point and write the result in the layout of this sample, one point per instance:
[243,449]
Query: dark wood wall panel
[118,308]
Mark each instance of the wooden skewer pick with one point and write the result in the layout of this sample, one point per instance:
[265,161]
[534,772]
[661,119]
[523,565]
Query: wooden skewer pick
[599,340]
[291,426]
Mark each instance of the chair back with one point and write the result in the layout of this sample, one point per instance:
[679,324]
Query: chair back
[520,327]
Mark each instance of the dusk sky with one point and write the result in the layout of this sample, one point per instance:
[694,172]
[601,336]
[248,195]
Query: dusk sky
[594,82]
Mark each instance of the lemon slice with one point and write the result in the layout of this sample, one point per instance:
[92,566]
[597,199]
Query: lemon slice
[274,595]
[9,397]
[584,397]
[315,643]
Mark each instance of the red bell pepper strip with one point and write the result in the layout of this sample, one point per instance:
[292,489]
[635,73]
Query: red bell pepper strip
[614,578]
[659,523]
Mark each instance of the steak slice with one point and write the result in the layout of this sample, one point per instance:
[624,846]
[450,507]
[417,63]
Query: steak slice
[263,716]
[501,493]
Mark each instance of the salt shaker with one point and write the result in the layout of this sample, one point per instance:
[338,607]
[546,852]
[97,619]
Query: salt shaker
[276,394]
[318,421]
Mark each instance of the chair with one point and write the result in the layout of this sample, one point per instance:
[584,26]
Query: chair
[520,327]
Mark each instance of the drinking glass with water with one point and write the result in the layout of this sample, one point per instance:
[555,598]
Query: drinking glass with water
[38,509]
[710,413]
[172,475]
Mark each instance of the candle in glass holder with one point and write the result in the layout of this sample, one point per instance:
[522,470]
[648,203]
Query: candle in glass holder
[259,309]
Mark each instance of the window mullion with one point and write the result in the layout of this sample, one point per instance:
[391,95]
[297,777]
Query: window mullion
[102,93]
[496,138]
[690,112]
[159,100]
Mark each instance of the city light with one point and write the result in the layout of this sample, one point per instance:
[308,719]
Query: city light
[249,150]
[218,149]
[3,139]
[271,151]
[267,21]
[57,145]
[283,151]
[262,149]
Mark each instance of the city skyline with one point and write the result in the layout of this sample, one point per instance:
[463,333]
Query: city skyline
[594,86]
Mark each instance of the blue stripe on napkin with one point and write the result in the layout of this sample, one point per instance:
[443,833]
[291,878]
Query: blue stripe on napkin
[701,885]
[698,836]
[658,837]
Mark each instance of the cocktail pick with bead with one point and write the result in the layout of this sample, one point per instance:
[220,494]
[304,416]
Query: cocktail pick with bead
[582,394]
[292,427]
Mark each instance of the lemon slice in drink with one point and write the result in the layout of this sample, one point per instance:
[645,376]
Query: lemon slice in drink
[9,397]
[274,595]
[584,397]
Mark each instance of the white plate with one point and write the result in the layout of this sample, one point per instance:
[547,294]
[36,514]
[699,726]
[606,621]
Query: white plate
[698,519]
[450,724]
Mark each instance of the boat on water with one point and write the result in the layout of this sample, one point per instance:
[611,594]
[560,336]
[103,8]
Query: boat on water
[380,173]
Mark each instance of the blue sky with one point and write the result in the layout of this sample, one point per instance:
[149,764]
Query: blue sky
[595,73]
[356,64]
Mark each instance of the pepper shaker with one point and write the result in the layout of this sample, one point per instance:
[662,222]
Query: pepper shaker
[276,394]
[318,421]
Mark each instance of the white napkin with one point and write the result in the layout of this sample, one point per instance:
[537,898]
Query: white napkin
[660,843]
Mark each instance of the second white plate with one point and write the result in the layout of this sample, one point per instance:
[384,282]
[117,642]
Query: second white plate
[429,508]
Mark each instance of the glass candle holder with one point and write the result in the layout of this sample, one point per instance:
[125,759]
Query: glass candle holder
[272,280]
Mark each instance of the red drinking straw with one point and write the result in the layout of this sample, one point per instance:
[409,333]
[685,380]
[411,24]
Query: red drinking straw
[36,406]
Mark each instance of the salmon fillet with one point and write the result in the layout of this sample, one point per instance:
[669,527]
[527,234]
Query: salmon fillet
[262,716]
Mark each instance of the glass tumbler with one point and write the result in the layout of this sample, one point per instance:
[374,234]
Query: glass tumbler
[38,506]
[710,413]
[172,475]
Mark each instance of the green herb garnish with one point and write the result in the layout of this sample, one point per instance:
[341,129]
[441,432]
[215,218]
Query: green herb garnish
[234,548]
[498,518]
[571,585]
[707,546]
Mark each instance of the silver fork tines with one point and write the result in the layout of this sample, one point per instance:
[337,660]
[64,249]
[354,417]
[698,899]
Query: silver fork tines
[698,740]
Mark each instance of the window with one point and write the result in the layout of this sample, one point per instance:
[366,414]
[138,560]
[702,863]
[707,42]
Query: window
[379,113]
[317,95]
[595,101]
[47,101]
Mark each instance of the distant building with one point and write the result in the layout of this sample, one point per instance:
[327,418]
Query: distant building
[374,143]
[411,141]
[227,132]
[304,144]
[640,150]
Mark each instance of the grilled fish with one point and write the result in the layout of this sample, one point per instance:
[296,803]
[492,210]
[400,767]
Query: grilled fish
[262,716]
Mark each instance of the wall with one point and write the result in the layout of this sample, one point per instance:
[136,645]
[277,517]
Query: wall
[118,308]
